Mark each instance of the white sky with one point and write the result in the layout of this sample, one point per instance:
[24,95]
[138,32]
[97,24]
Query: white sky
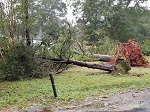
[69,15]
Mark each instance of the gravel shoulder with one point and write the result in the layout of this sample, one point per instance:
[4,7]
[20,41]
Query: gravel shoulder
[131,101]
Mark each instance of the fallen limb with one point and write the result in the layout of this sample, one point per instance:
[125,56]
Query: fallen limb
[121,67]
[81,63]
[105,58]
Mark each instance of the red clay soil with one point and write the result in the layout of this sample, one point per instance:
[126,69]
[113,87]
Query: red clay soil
[131,52]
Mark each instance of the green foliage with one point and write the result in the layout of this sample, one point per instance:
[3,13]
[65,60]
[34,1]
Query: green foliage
[117,20]
[19,62]
[82,58]
[146,47]
[103,46]
[60,48]
[48,16]
[121,68]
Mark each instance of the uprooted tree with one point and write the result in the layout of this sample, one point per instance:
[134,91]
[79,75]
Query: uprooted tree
[129,51]
[126,55]
[123,67]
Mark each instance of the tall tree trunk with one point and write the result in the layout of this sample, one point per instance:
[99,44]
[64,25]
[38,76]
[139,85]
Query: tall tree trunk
[25,21]
[12,20]
[2,16]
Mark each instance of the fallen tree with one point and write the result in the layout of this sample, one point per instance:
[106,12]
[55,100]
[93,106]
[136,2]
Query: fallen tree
[105,58]
[126,55]
[110,68]
[129,51]
[80,63]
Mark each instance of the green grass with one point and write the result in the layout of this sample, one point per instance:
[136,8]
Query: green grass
[73,86]
[148,58]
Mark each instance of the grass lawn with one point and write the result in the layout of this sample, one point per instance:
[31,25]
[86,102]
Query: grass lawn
[73,86]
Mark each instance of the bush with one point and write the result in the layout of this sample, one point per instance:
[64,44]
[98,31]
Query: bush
[146,47]
[19,62]
[104,46]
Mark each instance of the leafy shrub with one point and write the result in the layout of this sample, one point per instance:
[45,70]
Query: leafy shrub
[19,62]
[146,47]
[60,48]
[103,46]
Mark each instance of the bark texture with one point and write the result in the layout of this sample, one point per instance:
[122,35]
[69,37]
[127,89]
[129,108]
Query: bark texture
[105,58]
[81,63]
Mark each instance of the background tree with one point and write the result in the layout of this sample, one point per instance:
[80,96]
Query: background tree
[117,20]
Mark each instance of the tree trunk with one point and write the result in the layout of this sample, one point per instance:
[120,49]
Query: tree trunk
[26,19]
[105,58]
[80,63]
